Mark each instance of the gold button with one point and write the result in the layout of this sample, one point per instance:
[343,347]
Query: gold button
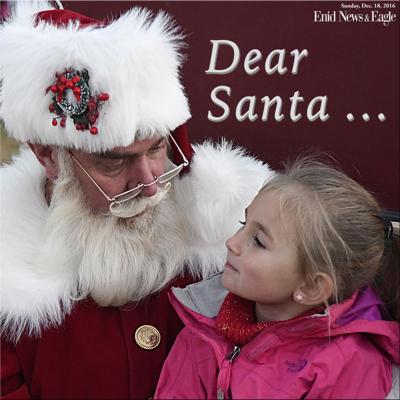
[147,337]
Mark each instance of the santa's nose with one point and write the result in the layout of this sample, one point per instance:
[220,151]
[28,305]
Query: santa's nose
[142,173]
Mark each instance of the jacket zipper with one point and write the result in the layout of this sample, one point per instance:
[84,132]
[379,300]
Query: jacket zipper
[233,354]
[230,357]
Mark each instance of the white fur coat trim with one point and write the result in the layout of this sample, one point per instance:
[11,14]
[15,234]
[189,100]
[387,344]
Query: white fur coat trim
[30,300]
[136,60]
[212,198]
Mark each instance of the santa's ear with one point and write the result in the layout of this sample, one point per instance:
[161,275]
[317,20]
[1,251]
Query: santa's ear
[47,157]
[314,292]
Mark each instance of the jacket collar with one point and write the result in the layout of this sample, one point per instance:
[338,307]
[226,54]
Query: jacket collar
[198,305]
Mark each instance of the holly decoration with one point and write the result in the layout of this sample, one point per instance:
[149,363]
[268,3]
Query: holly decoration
[72,98]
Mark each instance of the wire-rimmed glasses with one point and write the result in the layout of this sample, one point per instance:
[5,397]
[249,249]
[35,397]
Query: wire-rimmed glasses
[132,193]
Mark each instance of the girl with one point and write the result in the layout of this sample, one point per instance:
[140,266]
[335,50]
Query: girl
[300,318]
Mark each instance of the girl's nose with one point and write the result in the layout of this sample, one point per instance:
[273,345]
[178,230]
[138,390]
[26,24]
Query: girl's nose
[233,244]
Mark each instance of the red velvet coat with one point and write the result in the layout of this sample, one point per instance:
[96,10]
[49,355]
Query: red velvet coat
[92,355]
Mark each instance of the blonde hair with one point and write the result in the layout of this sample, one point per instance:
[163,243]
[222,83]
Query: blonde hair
[337,222]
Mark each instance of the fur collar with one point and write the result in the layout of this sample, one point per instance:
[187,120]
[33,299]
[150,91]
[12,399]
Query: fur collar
[30,299]
[212,198]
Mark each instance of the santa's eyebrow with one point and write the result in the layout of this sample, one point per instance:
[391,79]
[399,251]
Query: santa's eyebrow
[117,154]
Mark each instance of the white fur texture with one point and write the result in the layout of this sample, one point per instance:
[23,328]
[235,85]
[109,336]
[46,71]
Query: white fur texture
[30,300]
[221,184]
[212,199]
[136,60]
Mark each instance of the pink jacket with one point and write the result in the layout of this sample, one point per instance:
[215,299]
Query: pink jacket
[290,360]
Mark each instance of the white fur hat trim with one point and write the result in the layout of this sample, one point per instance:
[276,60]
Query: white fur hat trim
[135,59]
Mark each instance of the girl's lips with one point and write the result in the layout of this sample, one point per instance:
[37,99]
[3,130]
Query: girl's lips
[229,266]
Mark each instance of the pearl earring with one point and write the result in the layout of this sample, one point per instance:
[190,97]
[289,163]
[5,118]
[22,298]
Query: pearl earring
[298,297]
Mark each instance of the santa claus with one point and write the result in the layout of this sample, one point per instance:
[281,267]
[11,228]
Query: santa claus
[106,206]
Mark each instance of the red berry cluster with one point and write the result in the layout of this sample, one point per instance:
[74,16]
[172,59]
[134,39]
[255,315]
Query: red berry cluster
[63,83]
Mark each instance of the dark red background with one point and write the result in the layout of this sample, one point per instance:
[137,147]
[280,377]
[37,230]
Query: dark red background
[355,64]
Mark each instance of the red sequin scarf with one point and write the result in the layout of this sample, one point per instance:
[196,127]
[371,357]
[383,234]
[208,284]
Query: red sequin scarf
[236,322]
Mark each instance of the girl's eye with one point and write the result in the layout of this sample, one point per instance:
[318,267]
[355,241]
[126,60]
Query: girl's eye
[242,223]
[258,242]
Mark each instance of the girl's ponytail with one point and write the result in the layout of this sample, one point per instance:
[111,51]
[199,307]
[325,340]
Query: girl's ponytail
[387,281]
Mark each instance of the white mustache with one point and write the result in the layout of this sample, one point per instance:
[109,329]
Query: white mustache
[137,206]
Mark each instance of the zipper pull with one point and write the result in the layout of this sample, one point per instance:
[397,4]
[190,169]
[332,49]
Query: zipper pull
[220,394]
[233,354]
[225,373]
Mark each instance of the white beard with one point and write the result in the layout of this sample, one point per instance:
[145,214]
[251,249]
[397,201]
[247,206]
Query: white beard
[115,260]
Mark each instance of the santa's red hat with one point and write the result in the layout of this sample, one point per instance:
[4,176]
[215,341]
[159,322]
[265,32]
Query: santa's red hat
[71,80]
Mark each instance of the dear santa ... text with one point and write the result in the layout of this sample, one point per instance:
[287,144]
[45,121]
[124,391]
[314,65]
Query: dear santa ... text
[275,62]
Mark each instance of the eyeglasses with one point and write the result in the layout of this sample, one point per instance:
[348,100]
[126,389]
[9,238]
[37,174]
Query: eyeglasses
[132,193]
